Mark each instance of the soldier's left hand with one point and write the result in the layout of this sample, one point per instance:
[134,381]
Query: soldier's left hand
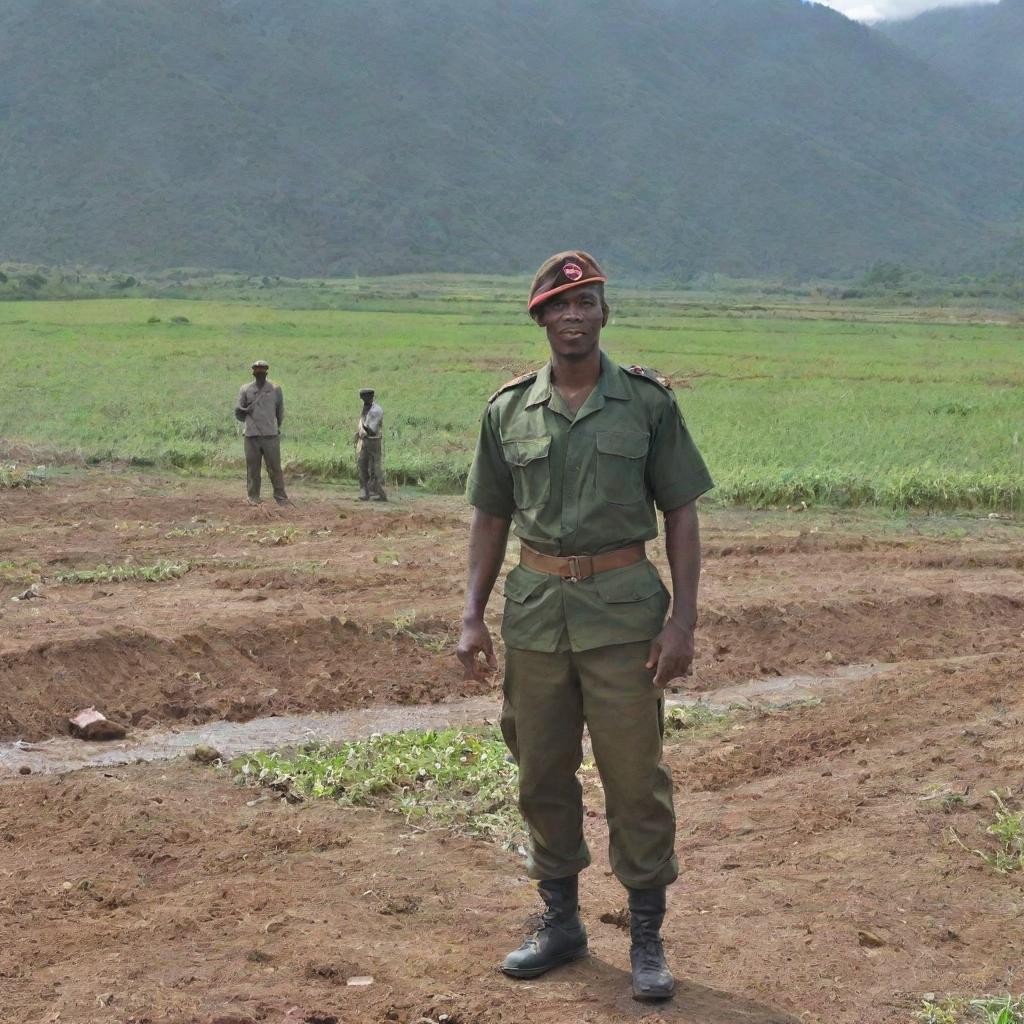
[671,653]
[474,643]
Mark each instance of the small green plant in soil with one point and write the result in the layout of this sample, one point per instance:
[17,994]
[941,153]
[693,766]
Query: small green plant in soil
[275,536]
[939,798]
[694,720]
[931,1012]
[952,801]
[11,572]
[405,623]
[454,779]
[1008,1010]
[983,1010]
[1008,830]
[156,573]
[12,475]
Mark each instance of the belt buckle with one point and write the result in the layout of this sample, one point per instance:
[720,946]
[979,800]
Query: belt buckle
[574,569]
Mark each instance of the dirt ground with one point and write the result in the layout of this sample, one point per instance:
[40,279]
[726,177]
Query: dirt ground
[821,880]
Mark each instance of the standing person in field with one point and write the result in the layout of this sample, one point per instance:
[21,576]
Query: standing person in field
[260,407]
[579,455]
[370,448]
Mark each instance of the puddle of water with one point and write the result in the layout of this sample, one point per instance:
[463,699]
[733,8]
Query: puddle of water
[783,690]
[235,738]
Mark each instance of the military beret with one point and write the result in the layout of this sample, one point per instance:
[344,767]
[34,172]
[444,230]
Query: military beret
[561,272]
[261,364]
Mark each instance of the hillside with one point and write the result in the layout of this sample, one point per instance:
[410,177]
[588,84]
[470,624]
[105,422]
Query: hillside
[981,48]
[329,136]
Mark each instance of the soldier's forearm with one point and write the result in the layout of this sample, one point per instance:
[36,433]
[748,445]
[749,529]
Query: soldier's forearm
[682,545]
[488,538]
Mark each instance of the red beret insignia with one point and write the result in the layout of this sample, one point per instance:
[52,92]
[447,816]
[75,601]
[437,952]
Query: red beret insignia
[561,272]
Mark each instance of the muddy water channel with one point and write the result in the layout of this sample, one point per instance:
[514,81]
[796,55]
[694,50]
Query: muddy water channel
[232,739]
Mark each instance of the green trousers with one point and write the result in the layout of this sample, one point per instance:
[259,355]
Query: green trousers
[260,448]
[548,698]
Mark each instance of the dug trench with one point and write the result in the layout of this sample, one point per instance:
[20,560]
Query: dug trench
[143,679]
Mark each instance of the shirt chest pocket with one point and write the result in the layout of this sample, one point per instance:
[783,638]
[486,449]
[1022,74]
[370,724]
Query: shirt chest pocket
[621,458]
[528,461]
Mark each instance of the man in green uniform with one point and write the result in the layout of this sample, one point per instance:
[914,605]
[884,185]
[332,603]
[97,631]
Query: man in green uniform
[370,448]
[260,407]
[579,455]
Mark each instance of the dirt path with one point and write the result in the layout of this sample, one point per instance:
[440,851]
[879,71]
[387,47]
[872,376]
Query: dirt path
[821,881]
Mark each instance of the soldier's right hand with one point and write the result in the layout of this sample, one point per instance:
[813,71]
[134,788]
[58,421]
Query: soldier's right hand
[474,642]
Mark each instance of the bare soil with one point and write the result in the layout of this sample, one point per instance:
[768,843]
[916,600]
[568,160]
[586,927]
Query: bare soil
[821,880]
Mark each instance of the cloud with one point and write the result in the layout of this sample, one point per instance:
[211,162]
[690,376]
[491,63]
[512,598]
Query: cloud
[880,10]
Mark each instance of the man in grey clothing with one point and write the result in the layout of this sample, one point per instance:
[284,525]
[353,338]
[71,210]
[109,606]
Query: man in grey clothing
[370,448]
[261,408]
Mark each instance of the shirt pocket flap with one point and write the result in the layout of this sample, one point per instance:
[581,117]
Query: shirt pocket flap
[630,444]
[520,586]
[620,587]
[522,453]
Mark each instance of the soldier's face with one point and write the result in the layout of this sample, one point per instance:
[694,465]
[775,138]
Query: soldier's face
[573,321]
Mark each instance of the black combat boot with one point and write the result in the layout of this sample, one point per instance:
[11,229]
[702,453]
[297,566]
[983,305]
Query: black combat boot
[561,936]
[651,977]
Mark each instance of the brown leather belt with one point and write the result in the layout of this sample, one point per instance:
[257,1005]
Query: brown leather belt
[579,567]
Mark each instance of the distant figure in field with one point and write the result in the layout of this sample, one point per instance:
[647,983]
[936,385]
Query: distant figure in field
[370,448]
[260,407]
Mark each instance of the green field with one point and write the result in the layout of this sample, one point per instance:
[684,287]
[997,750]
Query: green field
[788,404]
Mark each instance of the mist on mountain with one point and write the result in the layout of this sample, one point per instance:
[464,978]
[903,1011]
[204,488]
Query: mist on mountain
[981,48]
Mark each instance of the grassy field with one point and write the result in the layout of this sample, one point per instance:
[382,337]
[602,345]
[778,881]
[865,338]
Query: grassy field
[822,405]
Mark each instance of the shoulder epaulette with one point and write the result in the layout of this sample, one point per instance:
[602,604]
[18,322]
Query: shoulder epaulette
[523,378]
[649,374]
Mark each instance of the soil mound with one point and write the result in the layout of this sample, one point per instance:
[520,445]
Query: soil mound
[140,678]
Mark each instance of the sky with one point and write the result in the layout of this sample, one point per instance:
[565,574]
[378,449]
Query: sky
[876,10]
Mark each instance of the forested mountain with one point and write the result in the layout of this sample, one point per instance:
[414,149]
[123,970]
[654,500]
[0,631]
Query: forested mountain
[982,48]
[340,136]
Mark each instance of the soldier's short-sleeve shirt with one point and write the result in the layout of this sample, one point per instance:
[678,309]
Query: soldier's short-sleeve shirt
[582,485]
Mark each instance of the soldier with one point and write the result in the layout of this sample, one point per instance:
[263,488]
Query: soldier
[369,448]
[260,407]
[579,455]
